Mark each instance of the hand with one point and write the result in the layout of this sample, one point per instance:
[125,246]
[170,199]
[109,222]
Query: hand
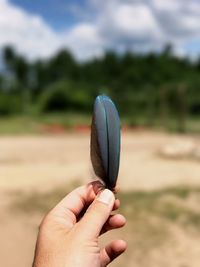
[68,235]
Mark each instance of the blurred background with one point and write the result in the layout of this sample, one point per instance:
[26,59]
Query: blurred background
[55,58]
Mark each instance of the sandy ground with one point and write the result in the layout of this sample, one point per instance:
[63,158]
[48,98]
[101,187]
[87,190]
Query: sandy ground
[28,162]
[41,163]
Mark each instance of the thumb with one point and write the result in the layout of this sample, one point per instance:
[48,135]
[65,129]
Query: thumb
[97,214]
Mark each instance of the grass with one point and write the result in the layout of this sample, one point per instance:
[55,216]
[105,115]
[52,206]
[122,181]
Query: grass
[192,125]
[40,124]
[170,205]
[41,202]
[59,122]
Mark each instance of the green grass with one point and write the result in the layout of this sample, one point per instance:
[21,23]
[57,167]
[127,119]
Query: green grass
[192,125]
[37,202]
[169,204]
[38,124]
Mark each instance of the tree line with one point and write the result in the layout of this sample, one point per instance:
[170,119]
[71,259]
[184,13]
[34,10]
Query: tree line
[153,85]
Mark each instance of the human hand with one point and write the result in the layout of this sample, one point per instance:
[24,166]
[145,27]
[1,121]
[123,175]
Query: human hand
[68,235]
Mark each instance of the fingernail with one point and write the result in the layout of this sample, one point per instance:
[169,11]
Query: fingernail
[106,196]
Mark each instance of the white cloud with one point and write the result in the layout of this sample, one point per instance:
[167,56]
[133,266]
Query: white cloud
[179,19]
[129,21]
[29,34]
[130,25]
[84,42]
[140,25]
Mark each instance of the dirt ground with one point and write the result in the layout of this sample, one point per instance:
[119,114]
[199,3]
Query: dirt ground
[41,163]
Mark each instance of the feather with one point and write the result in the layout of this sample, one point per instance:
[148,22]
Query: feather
[105,141]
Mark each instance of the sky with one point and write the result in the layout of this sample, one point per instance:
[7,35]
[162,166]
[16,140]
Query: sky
[87,28]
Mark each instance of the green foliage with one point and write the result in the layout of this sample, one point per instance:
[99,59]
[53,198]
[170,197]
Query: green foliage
[9,104]
[64,96]
[155,88]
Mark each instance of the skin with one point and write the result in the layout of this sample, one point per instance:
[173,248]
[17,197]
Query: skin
[68,235]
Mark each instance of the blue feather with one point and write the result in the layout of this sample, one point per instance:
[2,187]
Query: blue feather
[105,140]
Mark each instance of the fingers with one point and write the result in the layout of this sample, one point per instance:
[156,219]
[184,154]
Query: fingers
[114,222]
[112,251]
[116,204]
[74,205]
[97,214]
[71,206]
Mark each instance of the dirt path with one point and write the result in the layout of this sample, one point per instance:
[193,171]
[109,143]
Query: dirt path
[40,163]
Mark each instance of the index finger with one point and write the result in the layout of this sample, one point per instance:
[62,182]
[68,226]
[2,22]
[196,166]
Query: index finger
[71,206]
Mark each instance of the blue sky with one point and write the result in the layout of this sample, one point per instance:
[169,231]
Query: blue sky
[60,14]
[87,28]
